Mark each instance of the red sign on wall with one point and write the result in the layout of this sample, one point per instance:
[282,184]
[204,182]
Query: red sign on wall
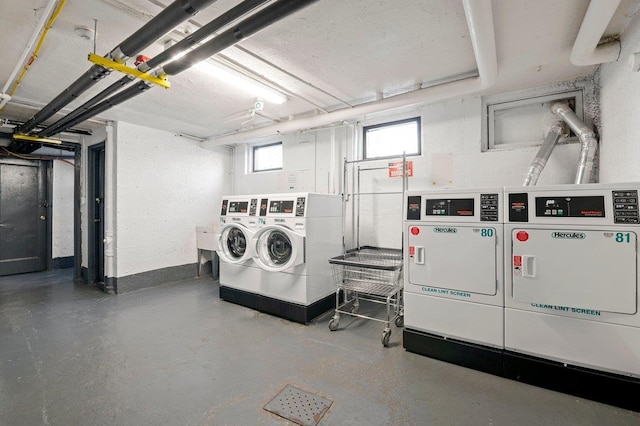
[395,169]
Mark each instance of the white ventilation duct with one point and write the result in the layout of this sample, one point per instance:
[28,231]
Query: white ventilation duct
[479,16]
[586,50]
[587,140]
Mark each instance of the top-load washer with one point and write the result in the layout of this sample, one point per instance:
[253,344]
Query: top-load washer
[453,278]
[297,234]
[238,225]
[571,314]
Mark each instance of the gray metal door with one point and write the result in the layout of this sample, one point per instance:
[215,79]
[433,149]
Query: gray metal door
[23,216]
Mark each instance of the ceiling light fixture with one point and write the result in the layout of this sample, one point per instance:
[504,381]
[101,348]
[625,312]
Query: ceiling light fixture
[242,82]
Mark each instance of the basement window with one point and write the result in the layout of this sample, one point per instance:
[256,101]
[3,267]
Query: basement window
[267,157]
[392,139]
[524,122]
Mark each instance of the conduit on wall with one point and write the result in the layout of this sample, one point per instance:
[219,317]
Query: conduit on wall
[479,15]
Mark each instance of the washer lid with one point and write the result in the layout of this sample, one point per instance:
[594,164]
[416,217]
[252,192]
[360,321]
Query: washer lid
[234,243]
[279,248]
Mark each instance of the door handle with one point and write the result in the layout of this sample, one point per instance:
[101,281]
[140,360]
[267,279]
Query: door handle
[529,266]
[419,258]
[42,217]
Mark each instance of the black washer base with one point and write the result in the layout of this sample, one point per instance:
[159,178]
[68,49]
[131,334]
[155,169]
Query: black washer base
[287,310]
[608,388]
[470,355]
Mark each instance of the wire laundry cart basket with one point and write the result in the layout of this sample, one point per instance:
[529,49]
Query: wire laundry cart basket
[372,274]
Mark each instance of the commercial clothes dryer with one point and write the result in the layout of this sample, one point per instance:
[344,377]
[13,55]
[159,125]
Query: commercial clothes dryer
[571,316]
[298,234]
[453,279]
[238,225]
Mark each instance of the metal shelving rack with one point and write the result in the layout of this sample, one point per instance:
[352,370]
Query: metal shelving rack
[368,273]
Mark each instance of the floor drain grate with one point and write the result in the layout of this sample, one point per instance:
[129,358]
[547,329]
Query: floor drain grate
[303,408]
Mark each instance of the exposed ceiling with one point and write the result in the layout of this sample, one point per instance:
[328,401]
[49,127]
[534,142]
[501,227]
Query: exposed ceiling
[331,55]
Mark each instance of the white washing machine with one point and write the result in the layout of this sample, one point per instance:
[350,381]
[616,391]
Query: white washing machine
[238,225]
[453,279]
[298,234]
[571,314]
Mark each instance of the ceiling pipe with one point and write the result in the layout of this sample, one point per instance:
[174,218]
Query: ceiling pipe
[586,50]
[158,60]
[172,15]
[251,25]
[479,17]
[588,141]
[540,160]
[41,23]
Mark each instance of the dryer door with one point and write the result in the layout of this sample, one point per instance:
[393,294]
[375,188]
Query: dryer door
[234,243]
[279,248]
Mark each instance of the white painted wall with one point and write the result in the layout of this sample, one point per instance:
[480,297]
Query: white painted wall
[166,186]
[312,162]
[620,104]
[62,206]
[451,157]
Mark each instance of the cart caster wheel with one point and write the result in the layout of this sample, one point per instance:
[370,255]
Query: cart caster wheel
[386,334]
[333,323]
[354,309]
[400,321]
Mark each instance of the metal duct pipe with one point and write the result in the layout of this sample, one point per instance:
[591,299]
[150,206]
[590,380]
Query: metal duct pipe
[171,16]
[538,163]
[242,30]
[181,46]
[587,137]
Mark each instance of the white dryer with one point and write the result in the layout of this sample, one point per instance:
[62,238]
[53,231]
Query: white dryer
[453,279]
[298,234]
[238,225]
[571,316]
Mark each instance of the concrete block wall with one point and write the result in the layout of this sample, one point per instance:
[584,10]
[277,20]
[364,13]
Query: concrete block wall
[166,186]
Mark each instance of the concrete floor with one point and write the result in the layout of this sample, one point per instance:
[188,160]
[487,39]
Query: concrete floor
[177,355]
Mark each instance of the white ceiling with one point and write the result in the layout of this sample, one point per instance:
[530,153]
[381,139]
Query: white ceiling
[331,55]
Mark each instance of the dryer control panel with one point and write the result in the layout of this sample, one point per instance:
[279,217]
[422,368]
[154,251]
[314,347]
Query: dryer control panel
[582,204]
[455,205]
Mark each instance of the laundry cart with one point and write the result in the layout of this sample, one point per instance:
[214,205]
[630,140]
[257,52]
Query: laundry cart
[372,274]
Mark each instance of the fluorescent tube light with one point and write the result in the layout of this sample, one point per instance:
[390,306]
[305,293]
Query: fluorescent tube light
[242,82]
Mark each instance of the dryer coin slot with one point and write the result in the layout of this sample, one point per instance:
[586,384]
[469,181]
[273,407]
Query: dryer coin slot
[518,207]
[264,203]
[413,207]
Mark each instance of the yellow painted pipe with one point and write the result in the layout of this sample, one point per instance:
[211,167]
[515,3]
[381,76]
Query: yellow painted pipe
[36,139]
